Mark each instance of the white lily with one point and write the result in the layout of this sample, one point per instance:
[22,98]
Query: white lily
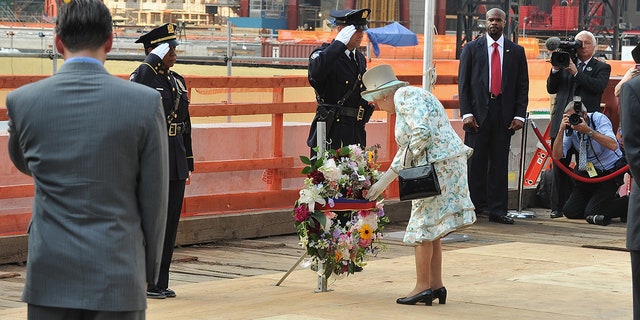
[312,195]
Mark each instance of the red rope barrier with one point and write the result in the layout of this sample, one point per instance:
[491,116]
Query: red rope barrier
[571,173]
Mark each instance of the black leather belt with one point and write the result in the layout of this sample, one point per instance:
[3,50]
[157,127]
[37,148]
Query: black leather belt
[343,111]
[176,128]
[494,97]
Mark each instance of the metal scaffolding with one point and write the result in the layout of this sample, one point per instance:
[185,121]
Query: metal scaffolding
[471,20]
[603,18]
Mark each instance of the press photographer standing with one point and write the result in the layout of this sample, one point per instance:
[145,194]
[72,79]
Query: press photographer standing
[592,135]
[585,77]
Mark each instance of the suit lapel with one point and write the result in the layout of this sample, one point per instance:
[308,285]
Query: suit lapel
[590,66]
[484,55]
[507,60]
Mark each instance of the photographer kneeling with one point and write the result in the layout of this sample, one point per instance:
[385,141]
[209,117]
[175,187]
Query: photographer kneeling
[599,155]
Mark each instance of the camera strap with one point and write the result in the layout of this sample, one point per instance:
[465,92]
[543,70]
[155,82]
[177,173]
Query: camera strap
[592,125]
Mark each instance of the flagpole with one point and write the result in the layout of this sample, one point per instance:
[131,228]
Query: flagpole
[427,62]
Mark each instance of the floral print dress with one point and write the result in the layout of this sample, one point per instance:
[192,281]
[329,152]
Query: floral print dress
[422,125]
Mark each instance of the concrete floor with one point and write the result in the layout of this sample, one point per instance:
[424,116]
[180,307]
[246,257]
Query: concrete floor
[536,269]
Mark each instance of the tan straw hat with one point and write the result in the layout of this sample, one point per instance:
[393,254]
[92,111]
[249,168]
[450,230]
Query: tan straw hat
[380,78]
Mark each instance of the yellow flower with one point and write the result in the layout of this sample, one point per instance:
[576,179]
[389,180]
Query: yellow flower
[369,156]
[365,232]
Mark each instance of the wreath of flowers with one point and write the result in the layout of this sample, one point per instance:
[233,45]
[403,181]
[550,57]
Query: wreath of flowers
[335,223]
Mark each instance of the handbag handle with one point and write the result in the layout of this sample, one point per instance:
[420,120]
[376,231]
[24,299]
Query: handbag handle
[426,155]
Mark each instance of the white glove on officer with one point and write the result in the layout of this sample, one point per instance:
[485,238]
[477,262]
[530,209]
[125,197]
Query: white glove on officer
[345,34]
[161,50]
[377,188]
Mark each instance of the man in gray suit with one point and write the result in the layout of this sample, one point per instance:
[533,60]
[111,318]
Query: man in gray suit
[630,124]
[96,147]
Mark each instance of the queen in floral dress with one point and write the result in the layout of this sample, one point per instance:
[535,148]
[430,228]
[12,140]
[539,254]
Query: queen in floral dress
[423,130]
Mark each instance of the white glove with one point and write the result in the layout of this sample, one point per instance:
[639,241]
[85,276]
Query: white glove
[345,34]
[161,50]
[377,188]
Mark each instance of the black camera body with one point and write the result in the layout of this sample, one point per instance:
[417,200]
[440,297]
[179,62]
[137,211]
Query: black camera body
[576,118]
[566,51]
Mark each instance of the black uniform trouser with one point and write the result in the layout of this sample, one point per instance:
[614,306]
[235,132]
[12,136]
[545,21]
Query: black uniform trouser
[594,198]
[176,196]
[562,184]
[488,166]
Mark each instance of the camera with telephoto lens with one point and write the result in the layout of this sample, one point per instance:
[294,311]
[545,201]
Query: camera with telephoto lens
[563,51]
[575,118]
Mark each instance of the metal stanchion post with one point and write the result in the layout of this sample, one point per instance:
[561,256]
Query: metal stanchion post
[321,142]
[523,150]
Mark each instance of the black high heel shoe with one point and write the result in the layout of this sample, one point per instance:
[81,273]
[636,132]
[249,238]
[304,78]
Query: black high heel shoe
[440,294]
[424,296]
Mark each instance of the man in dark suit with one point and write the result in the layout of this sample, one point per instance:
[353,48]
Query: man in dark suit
[588,81]
[493,106]
[335,73]
[630,122]
[160,47]
[96,147]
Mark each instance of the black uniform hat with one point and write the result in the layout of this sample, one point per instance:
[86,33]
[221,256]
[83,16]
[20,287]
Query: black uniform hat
[357,18]
[165,33]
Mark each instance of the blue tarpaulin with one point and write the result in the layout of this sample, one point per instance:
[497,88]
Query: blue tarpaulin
[393,34]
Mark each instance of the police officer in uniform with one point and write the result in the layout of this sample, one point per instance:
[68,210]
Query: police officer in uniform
[335,72]
[159,45]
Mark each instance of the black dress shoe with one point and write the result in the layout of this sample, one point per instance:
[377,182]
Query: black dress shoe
[169,293]
[598,219]
[501,219]
[555,214]
[155,294]
[440,294]
[424,296]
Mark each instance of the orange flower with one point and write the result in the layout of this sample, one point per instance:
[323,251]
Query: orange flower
[337,256]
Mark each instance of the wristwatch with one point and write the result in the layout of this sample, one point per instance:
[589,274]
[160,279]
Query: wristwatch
[590,134]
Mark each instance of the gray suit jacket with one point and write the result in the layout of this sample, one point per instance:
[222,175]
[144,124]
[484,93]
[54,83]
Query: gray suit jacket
[630,124]
[96,147]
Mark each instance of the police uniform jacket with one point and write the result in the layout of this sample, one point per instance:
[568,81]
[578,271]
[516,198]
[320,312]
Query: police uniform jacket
[332,74]
[172,88]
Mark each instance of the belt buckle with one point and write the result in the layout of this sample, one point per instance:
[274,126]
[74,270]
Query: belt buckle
[173,129]
[493,96]
[360,113]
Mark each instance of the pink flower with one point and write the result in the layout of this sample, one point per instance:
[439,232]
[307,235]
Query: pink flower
[364,213]
[363,243]
[301,212]
[330,214]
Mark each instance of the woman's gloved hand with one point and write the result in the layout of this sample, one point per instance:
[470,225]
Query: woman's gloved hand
[377,188]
